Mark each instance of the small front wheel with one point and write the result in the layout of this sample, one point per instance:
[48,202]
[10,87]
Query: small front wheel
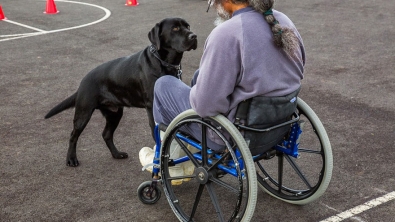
[148,192]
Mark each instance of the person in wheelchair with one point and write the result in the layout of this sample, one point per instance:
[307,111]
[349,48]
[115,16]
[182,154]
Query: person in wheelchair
[253,52]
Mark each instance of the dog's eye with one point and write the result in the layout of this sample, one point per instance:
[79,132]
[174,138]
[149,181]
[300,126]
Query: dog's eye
[176,28]
[188,27]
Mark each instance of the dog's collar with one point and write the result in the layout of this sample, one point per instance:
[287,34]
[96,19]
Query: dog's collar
[154,51]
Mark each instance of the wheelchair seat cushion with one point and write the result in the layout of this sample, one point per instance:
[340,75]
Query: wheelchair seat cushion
[263,112]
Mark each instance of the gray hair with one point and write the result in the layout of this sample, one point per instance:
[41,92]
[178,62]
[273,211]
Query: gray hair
[283,37]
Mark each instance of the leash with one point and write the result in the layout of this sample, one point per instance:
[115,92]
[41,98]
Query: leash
[154,51]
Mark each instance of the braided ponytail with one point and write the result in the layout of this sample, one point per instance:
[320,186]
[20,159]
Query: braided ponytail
[283,37]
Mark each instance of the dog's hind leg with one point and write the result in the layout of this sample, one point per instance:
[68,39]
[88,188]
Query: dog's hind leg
[81,119]
[112,121]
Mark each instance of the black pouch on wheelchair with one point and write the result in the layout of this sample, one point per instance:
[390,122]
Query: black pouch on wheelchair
[262,113]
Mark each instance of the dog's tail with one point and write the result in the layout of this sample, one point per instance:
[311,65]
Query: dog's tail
[66,104]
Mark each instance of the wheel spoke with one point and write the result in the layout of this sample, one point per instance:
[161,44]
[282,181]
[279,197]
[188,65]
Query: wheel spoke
[274,182]
[181,177]
[227,186]
[298,171]
[214,199]
[187,151]
[280,171]
[197,200]
[225,155]
[204,146]
[303,150]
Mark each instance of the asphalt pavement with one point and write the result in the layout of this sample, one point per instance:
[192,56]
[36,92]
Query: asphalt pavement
[349,82]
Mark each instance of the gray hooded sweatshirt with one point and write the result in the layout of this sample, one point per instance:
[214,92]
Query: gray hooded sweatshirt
[240,61]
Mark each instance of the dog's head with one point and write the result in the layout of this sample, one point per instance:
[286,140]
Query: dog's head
[173,34]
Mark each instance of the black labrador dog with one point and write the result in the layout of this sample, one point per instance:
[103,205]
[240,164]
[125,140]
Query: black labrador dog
[127,82]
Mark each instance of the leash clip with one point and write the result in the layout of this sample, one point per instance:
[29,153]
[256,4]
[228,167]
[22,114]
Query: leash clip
[152,49]
[179,74]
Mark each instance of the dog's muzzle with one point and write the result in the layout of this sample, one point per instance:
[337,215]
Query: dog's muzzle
[193,39]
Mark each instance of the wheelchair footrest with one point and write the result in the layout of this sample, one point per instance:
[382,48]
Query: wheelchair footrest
[150,164]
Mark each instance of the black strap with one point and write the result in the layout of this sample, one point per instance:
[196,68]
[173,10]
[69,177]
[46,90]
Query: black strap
[242,110]
[154,51]
[166,64]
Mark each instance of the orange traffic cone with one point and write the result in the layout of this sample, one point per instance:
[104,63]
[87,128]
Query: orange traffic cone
[2,16]
[131,3]
[51,7]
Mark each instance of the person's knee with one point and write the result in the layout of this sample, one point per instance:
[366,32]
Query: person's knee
[163,89]
[164,82]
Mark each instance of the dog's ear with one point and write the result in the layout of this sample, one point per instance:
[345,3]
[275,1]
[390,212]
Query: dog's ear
[153,36]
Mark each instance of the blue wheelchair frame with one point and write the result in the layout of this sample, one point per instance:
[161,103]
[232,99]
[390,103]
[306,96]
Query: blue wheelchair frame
[289,146]
[290,158]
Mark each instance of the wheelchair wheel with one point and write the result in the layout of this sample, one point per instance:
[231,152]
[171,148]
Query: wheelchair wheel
[147,193]
[304,179]
[222,185]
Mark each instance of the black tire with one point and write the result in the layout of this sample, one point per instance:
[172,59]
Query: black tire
[210,194]
[302,179]
[148,194]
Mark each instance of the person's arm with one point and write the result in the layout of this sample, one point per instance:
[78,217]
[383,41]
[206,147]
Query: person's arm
[218,73]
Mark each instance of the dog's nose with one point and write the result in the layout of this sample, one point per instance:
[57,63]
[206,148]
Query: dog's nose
[192,36]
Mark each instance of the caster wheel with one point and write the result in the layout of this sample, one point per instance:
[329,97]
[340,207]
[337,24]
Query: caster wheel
[148,192]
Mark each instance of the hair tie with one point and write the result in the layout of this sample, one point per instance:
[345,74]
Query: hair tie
[279,32]
[268,12]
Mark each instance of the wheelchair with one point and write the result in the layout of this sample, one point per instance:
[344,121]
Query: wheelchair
[224,184]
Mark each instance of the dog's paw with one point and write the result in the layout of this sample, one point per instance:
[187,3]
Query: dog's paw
[120,155]
[72,162]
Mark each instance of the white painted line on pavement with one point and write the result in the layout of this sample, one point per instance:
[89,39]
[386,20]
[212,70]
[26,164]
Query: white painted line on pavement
[361,208]
[108,13]
[23,25]
[40,32]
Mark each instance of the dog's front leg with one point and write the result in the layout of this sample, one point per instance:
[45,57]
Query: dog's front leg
[151,121]
[112,121]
